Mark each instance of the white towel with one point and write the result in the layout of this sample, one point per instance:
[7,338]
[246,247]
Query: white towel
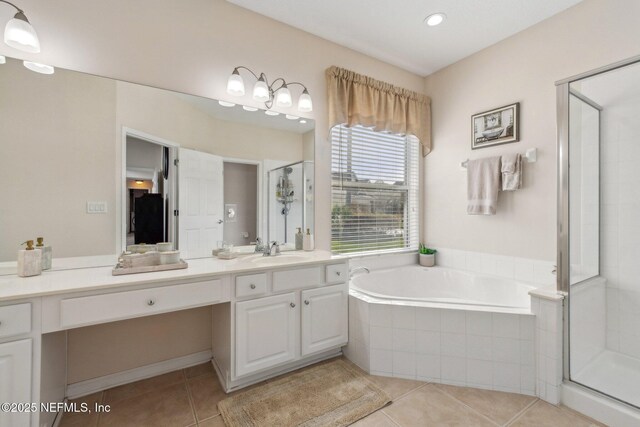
[511,172]
[483,184]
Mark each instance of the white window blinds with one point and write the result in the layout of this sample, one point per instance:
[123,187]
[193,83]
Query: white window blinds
[374,190]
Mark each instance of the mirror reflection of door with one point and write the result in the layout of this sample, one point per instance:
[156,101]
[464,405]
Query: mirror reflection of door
[149,189]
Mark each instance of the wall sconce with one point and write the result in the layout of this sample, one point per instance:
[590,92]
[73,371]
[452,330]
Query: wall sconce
[19,33]
[269,93]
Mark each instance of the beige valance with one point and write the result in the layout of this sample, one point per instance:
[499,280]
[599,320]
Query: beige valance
[355,99]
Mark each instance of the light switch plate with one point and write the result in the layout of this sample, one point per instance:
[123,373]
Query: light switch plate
[97,207]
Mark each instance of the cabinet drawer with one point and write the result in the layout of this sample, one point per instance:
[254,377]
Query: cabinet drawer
[15,320]
[122,305]
[251,285]
[337,273]
[296,279]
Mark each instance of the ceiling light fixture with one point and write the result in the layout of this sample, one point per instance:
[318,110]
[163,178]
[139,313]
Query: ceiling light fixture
[278,91]
[39,68]
[435,19]
[19,33]
[247,108]
[292,117]
[226,104]
[303,121]
[271,113]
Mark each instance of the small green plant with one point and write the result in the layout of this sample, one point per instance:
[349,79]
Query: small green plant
[426,251]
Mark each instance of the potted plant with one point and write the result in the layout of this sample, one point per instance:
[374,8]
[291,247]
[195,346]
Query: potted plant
[427,256]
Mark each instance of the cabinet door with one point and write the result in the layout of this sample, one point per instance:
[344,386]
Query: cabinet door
[15,383]
[266,331]
[324,318]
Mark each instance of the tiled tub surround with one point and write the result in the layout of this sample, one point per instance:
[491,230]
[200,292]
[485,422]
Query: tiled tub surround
[516,352]
[459,347]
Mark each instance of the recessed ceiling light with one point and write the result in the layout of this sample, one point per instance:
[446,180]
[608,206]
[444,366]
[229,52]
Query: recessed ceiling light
[247,108]
[291,117]
[226,104]
[39,68]
[303,121]
[435,19]
[271,113]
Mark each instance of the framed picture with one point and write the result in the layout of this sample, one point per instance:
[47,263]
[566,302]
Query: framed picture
[498,126]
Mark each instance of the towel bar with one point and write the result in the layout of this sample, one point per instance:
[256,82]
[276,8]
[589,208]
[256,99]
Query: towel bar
[530,156]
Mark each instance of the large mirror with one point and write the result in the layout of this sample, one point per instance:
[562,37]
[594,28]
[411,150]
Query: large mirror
[94,164]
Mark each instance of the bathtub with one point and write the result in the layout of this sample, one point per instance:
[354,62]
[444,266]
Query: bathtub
[443,325]
[440,286]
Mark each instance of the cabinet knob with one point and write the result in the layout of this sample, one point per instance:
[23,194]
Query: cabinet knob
[252,286]
[306,302]
[150,302]
[293,305]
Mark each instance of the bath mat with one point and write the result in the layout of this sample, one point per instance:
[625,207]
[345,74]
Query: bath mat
[328,394]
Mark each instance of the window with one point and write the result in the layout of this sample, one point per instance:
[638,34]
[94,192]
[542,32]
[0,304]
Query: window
[374,190]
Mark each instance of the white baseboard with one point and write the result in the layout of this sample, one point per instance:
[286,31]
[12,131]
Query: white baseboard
[94,385]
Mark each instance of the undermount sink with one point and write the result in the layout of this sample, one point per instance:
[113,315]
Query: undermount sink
[276,259]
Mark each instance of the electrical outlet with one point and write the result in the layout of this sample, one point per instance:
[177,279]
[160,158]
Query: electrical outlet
[97,207]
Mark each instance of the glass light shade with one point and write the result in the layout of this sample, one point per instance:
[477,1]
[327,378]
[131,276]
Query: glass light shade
[235,84]
[20,35]
[261,91]
[39,68]
[3,60]
[304,102]
[283,98]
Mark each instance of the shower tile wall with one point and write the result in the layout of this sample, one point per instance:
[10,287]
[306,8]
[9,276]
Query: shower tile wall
[620,223]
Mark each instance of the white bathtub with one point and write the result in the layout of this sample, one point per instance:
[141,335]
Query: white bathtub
[438,286]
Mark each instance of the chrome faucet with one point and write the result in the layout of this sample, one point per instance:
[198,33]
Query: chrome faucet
[259,245]
[353,271]
[272,250]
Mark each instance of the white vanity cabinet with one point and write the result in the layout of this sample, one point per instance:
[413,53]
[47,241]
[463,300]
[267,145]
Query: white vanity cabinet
[281,319]
[15,375]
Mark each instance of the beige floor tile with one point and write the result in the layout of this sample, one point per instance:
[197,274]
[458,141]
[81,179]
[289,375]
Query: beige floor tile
[377,419]
[427,406]
[206,392]
[496,405]
[395,387]
[196,371]
[83,419]
[166,407]
[543,414]
[138,388]
[212,422]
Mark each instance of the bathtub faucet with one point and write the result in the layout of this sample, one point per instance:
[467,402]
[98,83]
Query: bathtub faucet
[353,271]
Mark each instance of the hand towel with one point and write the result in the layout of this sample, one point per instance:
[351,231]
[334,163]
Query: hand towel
[511,172]
[483,184]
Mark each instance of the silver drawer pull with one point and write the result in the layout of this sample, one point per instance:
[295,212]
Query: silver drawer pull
[306,302]
[293,305]
[150,302]
[252,286]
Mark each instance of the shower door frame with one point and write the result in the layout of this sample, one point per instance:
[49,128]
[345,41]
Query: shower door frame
[563,284]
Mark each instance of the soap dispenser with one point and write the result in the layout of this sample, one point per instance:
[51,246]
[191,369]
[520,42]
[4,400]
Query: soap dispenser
[299,239]
[308,243]
[46,253]
[29,260]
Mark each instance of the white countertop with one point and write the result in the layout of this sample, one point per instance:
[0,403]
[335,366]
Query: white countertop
[86,279]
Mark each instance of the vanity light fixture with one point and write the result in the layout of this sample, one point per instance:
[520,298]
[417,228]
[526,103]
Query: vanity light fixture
[435,19]
[39,68]
[226,104]
[277,92]
[19,33]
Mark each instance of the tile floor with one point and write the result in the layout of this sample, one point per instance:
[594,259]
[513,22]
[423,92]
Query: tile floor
[189,397]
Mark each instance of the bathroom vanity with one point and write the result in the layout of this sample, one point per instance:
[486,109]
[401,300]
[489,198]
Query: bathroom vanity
[270,315]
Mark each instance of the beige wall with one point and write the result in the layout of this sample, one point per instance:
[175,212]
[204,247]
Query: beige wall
[522,68]
[189,49]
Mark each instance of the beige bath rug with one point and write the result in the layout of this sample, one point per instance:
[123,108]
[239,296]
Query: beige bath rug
[328,394]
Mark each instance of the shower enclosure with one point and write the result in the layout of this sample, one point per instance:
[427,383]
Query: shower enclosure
[599,229]
[290,201]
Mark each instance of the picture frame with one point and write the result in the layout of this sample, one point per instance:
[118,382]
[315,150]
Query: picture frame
[495,127]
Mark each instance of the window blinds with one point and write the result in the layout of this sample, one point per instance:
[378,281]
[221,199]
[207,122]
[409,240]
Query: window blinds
[374,190]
